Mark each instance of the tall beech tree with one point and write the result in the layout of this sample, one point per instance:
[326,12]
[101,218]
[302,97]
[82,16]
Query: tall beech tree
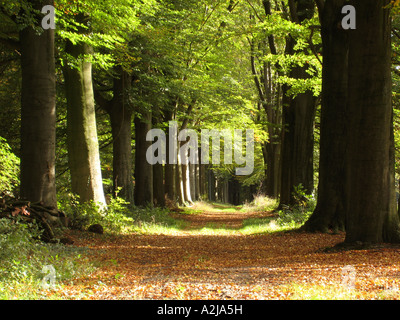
[329,213]
[371,214]
[120,112]
[143,173]
[97,33]
[298,115]
[83,147]
[38,111]
[357,112]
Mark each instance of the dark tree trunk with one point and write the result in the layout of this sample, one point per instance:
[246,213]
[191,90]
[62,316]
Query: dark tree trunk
[271,154]
[143,170]
[370,211]
[158,170]
[297,140]
[158,185]
[121,127]
[211,184]
[170,167]
[298,115]
[170,184]
[38,114]
[202,179]
[329,213]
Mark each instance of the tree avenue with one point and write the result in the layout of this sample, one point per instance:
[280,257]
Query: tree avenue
[313,83]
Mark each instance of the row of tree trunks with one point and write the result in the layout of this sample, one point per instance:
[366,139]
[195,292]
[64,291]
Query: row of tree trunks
[356,187]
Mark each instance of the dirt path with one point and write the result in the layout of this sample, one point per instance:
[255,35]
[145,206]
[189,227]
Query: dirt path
[228,219]
[189,265]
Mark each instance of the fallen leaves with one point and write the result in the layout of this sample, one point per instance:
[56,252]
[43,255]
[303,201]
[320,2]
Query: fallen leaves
[231,266]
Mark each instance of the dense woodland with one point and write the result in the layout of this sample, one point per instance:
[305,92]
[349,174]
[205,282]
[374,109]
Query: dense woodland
[78,100]
[77,103]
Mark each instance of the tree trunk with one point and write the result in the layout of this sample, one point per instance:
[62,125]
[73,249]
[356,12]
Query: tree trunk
[297,142]
[121,128]
[196,171]
[143,170]
[158,185]
[170,166]
[370,211]
[83,147]
[38,114]
[298,115]
[186,182]
[211,184]
[170,184]
[271,154]
[329,213]
[192,180]
[202,179]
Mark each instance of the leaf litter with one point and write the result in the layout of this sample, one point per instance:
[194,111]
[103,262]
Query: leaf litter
[192,265]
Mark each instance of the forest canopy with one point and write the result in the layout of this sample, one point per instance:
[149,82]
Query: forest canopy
[78,98]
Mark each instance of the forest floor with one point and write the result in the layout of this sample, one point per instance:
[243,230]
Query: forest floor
[210,258]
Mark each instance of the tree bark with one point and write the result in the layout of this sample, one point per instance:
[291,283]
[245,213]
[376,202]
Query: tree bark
[298,115]
[120,113]
[170,167]
[83,147]
[158,185]
[329,213]
[38,114]
[121,128]
[370,211]
[143,170]
[211,184]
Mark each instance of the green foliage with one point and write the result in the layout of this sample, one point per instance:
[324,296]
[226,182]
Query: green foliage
[22,258]
[118,217]
[156,221]
[9,168]
[115,218]
[260,203]
[298,214]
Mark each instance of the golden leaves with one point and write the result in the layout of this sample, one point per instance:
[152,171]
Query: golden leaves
[231,266]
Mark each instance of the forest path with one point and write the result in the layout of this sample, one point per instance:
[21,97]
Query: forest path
[210,263]
[221,216]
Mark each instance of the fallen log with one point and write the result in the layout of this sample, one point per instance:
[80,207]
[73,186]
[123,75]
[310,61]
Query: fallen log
[47,218]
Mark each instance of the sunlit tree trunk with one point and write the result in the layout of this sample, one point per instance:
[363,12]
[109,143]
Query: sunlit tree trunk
[83,147]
